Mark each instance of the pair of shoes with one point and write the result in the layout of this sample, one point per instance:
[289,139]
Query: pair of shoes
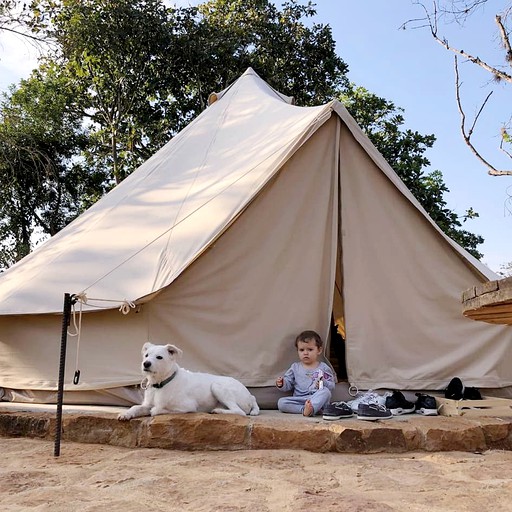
[337,411]
[457,391]
[398,404]
[373,412]
[426,405]
[370,397]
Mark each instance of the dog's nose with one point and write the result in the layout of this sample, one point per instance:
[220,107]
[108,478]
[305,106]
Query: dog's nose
[147,364]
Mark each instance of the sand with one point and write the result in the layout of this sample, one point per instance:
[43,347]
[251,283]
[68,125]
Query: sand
[110,479]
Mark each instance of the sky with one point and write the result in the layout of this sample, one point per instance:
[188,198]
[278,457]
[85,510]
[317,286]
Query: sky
[410,69]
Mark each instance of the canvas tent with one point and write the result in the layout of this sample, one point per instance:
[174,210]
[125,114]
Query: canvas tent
[257,221]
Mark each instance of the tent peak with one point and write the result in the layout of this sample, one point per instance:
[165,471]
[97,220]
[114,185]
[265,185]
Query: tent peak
[253,75]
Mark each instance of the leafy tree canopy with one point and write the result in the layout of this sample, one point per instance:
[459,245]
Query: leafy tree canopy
[128,75]
[41,181]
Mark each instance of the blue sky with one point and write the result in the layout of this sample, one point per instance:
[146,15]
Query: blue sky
[409,68]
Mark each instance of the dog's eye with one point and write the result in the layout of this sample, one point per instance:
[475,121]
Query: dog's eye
[159,357]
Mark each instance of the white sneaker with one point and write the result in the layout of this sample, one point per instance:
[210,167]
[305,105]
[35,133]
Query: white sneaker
[370,397]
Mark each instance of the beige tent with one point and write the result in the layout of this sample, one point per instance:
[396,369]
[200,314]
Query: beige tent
[259,220]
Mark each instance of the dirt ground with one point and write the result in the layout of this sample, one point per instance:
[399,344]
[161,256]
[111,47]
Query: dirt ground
[103,478]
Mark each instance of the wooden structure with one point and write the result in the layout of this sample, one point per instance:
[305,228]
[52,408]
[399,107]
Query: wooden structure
[488,406]
[489,302]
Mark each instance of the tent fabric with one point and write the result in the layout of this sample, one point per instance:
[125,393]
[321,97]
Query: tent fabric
[402,288]
[216,165]
[257,221]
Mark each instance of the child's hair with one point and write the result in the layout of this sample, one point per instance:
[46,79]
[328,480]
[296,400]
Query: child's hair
[307,336]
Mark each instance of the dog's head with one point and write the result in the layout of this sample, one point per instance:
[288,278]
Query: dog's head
[159,361]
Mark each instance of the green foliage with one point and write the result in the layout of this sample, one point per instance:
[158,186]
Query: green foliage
[40,178]
[118,56]
[142,72]
[297,60]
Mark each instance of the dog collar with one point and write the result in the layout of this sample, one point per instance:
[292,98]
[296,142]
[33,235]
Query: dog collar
[165,381]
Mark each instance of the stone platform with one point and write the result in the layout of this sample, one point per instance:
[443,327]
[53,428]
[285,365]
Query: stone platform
[269,430]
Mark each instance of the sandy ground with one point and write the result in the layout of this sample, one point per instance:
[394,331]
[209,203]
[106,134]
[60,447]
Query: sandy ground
[109,479]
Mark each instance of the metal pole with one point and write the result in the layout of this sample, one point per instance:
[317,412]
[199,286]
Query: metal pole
[66,315]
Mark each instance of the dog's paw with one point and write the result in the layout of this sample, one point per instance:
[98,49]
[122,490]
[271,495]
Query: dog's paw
[124,416]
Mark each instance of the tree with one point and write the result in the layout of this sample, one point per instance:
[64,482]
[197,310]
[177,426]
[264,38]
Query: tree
[136,72]
[144,71]
[297,60]
[405,151]
[41,180]
[458,11]
[118,56]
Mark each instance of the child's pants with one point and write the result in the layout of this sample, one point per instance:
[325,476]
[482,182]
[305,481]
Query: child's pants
[295,404]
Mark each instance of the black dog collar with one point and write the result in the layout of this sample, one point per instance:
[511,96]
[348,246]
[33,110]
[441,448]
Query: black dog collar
[166,381]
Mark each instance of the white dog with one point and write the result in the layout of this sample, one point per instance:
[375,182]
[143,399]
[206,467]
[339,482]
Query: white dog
[172,389]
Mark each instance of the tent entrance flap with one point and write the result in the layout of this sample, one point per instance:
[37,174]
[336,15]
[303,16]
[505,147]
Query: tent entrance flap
[338,331]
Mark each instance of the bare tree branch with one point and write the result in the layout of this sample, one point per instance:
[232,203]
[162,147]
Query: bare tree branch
[504,37]
[459,11]
[475,60]
[466,135]
[22,33]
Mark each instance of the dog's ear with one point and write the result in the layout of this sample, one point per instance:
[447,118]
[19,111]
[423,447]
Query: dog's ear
[145,347]
[174,350]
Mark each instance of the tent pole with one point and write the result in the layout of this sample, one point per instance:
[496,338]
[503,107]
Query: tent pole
[66,315]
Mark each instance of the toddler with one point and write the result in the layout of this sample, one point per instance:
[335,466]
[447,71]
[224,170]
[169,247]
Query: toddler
[311,380]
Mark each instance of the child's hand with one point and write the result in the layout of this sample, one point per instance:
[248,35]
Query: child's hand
[279,382]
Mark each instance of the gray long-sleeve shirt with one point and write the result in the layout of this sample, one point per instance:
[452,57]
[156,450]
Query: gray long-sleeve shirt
[303,380]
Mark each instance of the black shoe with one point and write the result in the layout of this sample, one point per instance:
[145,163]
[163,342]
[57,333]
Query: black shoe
[455,389]
[398,404]
[373,412]
[471,394]
[337,411]
[426,405]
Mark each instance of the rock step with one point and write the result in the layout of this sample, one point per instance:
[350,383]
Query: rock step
[270,430]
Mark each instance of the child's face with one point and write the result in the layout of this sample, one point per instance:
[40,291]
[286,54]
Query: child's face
[308,352]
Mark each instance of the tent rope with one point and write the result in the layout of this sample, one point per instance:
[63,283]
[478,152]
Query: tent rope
[125,307]
[82,298]
[77,333]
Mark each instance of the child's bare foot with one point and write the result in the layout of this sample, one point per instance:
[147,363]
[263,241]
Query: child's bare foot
[308,409]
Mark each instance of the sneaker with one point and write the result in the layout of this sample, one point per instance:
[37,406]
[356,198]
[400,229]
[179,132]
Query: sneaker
[398,404]
[426,405]
[471,394]
[370,397]
[373,411]
[337,411]
[455,389]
